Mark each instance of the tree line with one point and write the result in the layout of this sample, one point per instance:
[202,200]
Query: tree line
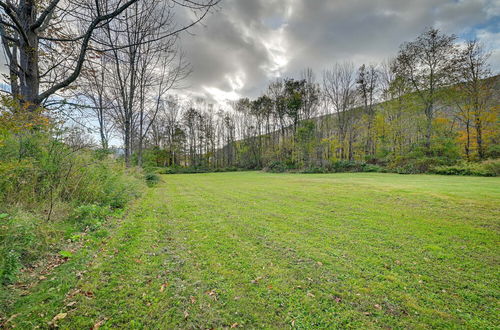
[435,103]
[115,65]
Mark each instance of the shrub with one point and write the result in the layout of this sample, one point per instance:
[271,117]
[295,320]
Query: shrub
[90,216]
[312,170]
[21,241]
[347,166]
[151,179]
[410,165]
[42,180]
[493,151]
[492,166]
[487,168]
[167,170]
[10,267]
[372,168]
[276,167]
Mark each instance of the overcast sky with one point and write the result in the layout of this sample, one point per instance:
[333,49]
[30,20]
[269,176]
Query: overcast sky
[246,43]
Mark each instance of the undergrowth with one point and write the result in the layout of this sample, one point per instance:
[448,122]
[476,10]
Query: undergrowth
[53,189]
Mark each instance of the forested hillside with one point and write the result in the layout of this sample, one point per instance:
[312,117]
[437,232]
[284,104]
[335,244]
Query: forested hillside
[430,106]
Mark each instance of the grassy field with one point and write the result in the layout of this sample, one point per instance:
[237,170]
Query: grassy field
[286,250]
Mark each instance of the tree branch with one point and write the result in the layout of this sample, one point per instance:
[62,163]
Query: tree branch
[83,51]
[44,15]
[10,11]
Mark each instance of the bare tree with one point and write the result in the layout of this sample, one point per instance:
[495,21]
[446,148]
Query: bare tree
[47,42]
[428,63]
[311,94]
[340,93]
[367,82]
[475,90]
[145,67]
[95,94]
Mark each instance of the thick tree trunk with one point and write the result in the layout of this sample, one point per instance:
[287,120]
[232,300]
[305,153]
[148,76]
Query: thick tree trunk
[467,143]
[127,142]
[479,137]
[429,112]
[28,57]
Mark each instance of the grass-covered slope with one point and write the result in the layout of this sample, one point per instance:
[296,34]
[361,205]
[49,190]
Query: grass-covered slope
[266,250]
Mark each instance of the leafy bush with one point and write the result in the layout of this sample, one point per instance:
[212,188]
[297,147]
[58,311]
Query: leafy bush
[10,267]
[348,166]
[372,168]
[151,179]
[313,170]
[493,151]
[42,180]
[21,241]
[492,166]
[486,168]
[90,216]
[276,167]
[167,170]
[411,165]
[193,170]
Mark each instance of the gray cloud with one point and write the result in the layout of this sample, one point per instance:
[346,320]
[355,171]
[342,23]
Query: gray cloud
[247,43]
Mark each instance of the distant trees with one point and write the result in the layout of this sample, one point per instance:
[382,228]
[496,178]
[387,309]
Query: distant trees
[428,64]
[340,94]
[367,84]
[422,108]
[397,113]
[474,93]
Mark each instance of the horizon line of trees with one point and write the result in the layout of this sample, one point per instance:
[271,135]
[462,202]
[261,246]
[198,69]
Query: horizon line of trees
[434,103]
[114,67]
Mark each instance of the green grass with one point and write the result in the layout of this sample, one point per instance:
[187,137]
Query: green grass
[261,250]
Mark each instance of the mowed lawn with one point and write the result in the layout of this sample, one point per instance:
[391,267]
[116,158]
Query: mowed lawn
[259,250]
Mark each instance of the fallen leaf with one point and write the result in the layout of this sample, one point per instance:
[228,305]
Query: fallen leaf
[88,294]
[256,280]
[212,294]
[234,325]
[71,304]
[186,314]
[9,319]
[193,299]
[310,294]
[163,286]
[59,316]
[98,325]
[377,306]
[56,318]
[320,263]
